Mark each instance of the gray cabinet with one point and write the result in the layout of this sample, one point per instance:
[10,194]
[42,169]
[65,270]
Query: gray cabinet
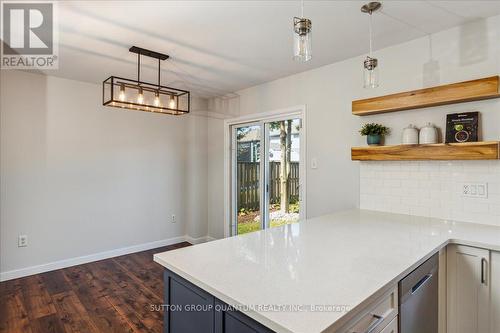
[190,309]
[228,320]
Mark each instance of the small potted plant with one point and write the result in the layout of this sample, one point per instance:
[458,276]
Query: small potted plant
[374,133]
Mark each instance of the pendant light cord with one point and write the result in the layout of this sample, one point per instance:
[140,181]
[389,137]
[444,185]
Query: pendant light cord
[302,9]
[159,72]
[370,34]
[138,67]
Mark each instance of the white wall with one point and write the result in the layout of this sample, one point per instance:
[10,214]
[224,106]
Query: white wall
[215,174]
[462,53]
[196,177]
[79,178]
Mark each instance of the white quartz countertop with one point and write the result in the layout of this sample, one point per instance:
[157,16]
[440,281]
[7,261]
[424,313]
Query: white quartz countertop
[337,261]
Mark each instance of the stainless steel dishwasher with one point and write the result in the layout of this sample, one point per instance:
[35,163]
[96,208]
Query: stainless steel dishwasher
[418,299]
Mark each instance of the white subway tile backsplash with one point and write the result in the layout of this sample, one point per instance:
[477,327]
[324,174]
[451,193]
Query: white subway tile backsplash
[495,209]
[419,175]
[475,207]
[399,174]
[420,211]
[431,188]
[494,188]
[392,183]
[409,183]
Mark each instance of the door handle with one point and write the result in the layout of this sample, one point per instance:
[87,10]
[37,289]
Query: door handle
[378,320]
[483,268]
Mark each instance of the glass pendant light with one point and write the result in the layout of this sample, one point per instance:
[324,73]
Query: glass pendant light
[302,37]
[370,65]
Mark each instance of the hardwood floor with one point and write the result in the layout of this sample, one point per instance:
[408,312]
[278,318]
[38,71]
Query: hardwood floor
[112,295]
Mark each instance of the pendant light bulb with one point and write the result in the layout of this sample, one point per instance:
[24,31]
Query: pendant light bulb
[171,103]
[157,98]
[122,92]
[140,97]
[302,37]
[370,65]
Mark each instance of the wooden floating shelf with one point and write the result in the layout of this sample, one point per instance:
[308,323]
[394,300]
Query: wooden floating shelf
[439,151]
[467,91]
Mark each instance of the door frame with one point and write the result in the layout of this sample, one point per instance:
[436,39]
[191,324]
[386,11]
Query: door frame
[298,111]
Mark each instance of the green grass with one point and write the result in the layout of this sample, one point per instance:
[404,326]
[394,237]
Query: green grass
[247,227]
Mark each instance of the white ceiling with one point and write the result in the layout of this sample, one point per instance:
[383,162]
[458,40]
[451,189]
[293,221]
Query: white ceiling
[218,47]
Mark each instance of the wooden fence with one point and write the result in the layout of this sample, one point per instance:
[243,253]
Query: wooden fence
[248,175]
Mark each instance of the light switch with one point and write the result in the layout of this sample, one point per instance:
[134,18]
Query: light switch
[314,163]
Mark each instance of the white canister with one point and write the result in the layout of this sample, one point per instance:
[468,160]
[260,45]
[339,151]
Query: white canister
[410,135]
[428,134]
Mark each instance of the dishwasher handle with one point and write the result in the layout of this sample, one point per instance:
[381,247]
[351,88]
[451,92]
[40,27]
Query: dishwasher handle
[374,324]
[420,283]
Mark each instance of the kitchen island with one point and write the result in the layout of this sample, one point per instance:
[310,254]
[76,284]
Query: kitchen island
[314,276]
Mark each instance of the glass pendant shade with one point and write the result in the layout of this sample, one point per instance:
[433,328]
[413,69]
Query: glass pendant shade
[371,75]
[302,38]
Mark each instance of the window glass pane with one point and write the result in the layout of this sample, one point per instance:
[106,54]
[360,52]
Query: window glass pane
[283,171]
[248,178]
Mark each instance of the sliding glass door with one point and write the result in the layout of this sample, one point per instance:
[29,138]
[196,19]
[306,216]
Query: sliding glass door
[282,172]
[247,143]
[265,167]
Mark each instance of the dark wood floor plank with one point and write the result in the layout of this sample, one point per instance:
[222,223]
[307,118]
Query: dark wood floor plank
[73,314]
[47,324]
[143,270]
[10,287]
[36,299]
[92,295]
[14,318]
[55,282]
[130,292]
[125,299]
[131,317]
[113,295]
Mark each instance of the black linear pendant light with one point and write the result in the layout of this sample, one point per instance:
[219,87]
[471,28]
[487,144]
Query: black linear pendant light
[143,96]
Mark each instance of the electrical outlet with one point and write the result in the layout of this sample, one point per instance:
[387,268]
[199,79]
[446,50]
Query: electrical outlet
[475,190]
[173,218]
[22,241]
